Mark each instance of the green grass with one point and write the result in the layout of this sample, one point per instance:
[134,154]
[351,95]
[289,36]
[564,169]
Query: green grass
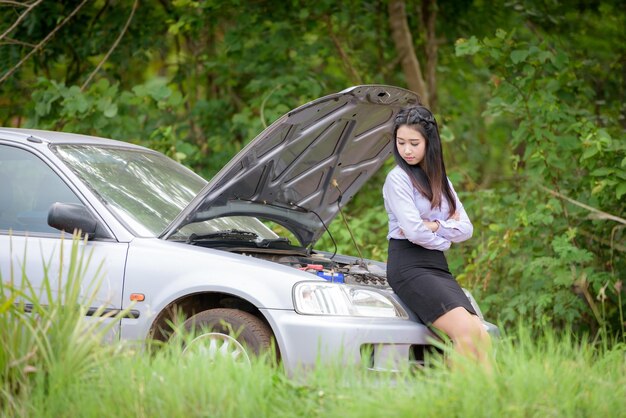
[52,364]
[547,377]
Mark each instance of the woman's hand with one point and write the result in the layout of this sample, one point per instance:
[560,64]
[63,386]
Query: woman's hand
[432,225]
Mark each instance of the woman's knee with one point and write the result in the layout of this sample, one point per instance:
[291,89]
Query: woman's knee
[459,324]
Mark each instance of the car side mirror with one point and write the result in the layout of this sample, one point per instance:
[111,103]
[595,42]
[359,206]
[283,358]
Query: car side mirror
[70,217]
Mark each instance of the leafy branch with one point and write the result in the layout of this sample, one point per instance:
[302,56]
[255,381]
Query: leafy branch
[115,44]
[29,8]
[599,213]
[10,72]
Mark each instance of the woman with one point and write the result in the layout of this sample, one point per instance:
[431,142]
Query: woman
[425,217]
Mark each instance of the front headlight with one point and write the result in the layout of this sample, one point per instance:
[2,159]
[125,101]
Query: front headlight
[319,298]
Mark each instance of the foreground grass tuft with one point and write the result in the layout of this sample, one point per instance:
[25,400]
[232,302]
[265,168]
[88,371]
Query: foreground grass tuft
[550,376]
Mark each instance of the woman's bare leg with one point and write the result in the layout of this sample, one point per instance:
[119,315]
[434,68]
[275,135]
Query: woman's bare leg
[467,333]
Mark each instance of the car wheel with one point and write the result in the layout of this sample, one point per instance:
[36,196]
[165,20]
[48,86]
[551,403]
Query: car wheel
[228,333]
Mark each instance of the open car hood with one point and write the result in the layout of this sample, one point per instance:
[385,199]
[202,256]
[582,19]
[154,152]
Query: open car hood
[307,164]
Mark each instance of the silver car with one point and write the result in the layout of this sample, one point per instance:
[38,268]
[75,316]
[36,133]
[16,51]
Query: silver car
[170,243]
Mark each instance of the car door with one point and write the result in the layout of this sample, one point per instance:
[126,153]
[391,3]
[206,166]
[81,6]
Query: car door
[29,185]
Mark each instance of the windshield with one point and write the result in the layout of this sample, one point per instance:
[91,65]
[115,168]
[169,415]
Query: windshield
[146,190]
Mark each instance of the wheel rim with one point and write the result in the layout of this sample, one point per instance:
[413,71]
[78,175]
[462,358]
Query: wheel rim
[215,345]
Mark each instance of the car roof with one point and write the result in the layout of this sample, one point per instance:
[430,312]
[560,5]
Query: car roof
[56,138]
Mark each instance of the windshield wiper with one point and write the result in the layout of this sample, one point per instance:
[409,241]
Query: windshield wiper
[227,234]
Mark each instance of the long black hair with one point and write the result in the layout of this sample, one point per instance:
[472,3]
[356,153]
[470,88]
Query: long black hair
[429,176]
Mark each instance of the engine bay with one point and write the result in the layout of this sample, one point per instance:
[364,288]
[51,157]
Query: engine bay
[340,269]
[334,268]
[319,264]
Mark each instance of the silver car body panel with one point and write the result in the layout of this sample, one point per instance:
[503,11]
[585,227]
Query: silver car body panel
[306,340]
[303,340]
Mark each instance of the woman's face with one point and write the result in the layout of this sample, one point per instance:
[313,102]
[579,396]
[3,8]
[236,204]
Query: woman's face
[411,144]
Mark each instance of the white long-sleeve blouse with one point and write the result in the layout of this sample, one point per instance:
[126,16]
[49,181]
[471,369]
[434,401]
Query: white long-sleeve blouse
[407,209]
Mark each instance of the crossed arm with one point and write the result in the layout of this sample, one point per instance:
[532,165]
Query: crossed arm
[407,220]
[434,225]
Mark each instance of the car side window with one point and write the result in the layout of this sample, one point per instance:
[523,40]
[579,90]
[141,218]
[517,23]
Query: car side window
[28,187]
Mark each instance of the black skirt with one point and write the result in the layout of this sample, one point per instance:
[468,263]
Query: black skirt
[421,278]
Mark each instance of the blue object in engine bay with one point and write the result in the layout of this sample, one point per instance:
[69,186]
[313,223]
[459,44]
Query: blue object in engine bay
[331,276]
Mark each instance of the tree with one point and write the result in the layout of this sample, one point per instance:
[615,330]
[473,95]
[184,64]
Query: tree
[426,87]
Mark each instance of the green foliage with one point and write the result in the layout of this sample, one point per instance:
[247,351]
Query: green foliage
[145,115]
[546,258]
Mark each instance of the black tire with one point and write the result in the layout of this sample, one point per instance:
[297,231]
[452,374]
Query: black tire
[250,331]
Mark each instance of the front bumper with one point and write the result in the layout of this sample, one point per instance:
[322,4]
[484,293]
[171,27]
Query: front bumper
[391,344]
